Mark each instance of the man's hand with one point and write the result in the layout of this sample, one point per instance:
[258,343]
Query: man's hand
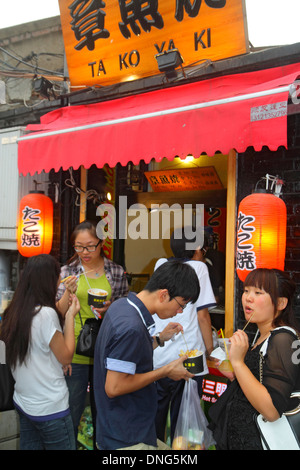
[170,330]
[176,370]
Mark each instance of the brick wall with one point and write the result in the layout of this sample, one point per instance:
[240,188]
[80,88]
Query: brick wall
[286,164]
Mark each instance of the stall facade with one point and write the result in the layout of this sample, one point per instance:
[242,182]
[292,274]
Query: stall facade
[227,114]
[128,125]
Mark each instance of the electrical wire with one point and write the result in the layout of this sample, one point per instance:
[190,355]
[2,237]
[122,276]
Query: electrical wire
[8,74]
[35,67]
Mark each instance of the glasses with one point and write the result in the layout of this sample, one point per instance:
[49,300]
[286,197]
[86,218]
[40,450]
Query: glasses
[89,249]
[180,305]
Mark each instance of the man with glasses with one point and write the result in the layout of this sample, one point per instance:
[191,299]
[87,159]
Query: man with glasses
[124,379]
[87,269]
[196,324]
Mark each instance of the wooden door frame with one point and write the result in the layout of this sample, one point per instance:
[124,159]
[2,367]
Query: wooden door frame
[230,243]
[230,235]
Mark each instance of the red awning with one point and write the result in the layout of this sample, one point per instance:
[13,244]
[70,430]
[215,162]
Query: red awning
[220,114]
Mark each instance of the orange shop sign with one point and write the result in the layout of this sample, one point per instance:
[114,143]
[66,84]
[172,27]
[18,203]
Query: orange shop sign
[188,179]
[112,41]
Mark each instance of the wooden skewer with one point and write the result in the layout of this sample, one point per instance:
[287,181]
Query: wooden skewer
[248,321]
[185,342]
[63,280]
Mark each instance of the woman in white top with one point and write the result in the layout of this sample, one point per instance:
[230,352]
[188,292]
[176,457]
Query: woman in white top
[196,323]
[39,342]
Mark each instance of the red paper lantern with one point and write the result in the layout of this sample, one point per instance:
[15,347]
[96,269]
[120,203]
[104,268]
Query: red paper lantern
[35,224]
[261,233]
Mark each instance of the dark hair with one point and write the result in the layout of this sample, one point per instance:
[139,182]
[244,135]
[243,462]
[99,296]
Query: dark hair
[85,225]
[178,278]
[277,284]
[179,242]
[37,288]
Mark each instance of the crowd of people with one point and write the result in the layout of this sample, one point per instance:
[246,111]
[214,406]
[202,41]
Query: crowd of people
[136,375]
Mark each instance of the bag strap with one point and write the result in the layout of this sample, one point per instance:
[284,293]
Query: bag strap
[80,319]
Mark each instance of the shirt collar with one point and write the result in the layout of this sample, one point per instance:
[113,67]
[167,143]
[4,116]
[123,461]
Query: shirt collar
[182,260]
[144,313]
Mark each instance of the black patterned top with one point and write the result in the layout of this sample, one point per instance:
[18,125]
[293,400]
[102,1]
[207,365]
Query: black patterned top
[232,417]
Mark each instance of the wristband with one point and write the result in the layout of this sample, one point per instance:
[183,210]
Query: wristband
[159,341]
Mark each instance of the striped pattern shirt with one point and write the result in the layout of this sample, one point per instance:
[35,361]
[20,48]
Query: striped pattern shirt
[114,274]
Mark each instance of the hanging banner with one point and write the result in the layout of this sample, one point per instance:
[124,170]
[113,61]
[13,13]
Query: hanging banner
[112,41]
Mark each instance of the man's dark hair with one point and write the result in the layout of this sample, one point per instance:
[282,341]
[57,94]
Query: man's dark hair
[179,242]
[178,278]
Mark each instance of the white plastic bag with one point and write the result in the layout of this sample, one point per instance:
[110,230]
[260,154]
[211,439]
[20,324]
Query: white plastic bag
[191,431]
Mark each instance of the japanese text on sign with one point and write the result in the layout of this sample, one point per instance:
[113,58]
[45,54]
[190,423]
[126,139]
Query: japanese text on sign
[109,41]
[188,179]
[88,19]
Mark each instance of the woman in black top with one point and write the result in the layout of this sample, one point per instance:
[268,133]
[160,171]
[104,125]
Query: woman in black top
[267,301]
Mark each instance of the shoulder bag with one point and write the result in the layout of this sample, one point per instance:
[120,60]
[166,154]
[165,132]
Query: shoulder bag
[284,433]
[87,337]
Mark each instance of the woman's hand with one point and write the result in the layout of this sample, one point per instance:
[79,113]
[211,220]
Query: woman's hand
[71,284]
[227,373]
[67,369]
[239,345]
[74,306]
[101,311]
